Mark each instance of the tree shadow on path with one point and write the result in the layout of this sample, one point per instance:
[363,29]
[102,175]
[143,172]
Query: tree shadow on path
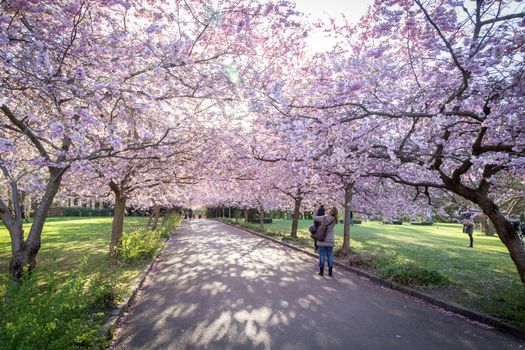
[218,287]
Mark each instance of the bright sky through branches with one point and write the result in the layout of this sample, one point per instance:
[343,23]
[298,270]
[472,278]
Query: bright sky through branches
[326,9]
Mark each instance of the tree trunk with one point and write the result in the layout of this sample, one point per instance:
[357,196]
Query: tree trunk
[504,228]
[169,213]
[222,212]
[165,217]
[487,227]
[295,218]
[19,249]
[345,250]
[261,217]
[506,233]
[150,220]
[156,213]
[24,253]
[245,214]
[118,223]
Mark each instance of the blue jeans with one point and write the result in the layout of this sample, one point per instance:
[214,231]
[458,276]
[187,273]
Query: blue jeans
[329,252]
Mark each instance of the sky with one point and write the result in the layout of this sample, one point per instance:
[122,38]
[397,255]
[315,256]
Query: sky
[352,9]
[326,9]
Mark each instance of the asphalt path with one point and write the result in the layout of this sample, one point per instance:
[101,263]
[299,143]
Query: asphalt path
[219,287]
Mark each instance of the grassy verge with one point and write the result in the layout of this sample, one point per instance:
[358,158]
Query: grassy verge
[434,259]
[75,283]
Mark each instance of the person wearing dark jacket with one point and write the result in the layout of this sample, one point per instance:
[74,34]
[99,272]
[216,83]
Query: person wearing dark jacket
[320,211]
[326,248]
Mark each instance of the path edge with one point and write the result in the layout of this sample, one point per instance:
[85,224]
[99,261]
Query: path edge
[454,308]
[109,326]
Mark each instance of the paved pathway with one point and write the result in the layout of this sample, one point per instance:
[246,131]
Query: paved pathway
[218,287]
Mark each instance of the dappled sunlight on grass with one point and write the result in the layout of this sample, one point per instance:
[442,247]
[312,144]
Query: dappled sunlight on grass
[67,240]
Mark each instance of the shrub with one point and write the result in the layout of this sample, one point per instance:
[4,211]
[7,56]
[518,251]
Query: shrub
[104,294]
[288,238]
[441,219]
[139,245]
[428,223]
[171,222]
[56,315]
[363,259]
[413,275]
[388,266]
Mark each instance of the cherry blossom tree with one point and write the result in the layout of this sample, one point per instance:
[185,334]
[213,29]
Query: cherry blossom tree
[96,70]
[60,57]
[434,92]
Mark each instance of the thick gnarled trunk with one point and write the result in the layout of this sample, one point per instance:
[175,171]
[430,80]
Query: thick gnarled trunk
[504,228]
[261,217]
[24,252]
[25,256]
[506,233]
[118,218]
[345,250]
[156,216]
[295,217]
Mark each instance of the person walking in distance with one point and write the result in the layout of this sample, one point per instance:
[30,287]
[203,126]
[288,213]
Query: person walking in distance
[190,213]
[326,247]
[468,228]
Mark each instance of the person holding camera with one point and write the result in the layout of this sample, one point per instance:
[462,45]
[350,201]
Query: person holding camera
[326,243]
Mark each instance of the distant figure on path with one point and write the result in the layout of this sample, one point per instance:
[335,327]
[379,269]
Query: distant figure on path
[326,248]
[190,213]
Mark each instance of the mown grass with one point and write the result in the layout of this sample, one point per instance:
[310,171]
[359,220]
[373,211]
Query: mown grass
[483,279]
[67,298]
[67,240]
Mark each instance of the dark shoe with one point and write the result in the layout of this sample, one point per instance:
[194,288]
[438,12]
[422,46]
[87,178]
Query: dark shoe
[330,271]
[321,271]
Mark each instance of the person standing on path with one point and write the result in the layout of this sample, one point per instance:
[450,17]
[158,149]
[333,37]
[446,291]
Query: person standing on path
[320,212]
[326,248]
[190,213]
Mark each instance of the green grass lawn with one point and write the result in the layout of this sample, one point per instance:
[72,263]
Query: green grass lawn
[67,240]
[483,278]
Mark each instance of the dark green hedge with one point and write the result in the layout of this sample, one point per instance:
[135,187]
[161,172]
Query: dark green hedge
[354,222]
[81,211]
[395,222]
[256,220]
